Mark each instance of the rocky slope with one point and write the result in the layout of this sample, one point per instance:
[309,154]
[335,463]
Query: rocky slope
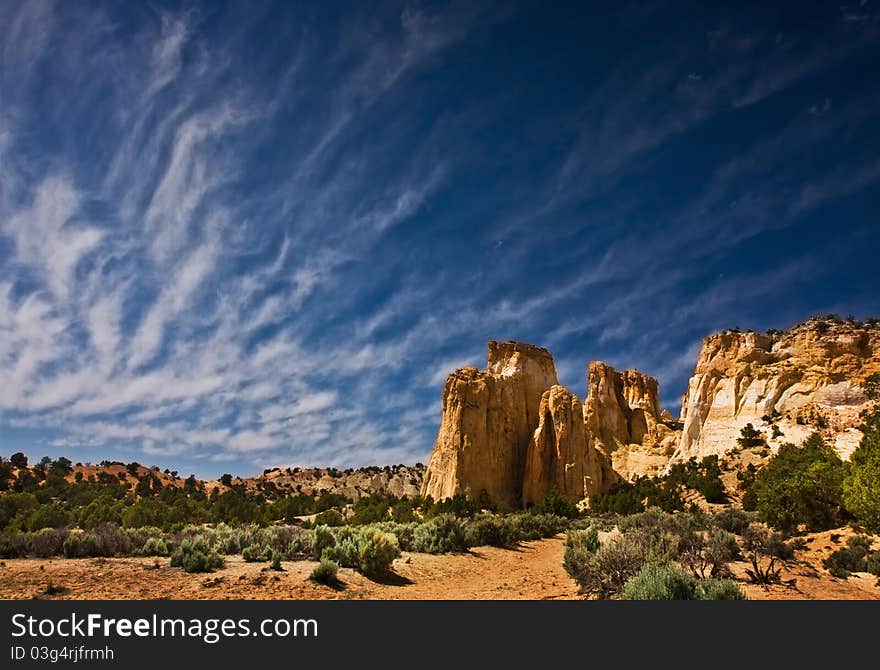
[787,384]
[353,483]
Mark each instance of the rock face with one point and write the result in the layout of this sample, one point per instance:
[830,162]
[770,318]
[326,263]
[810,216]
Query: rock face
[514,433]
[488,422]
[787,384]
[624,421]
[560,456]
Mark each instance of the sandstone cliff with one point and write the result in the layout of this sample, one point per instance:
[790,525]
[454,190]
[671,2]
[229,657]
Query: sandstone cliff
[787,384]
[560,456]
[487,424]
[624,421]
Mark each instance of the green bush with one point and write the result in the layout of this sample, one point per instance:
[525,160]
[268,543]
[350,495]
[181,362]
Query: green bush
[104,540]
[404,532]
[557,504]
[487,529]
[731,519]
[137,538]
[660,582]
[580,546]
[196,556]
[376,550]
[302,545]
[255,554]
[441,535]
[330,517]
[861,484]
[344,549]
[532,526]
[79,545]
[13,545]
[855,557]
[604,572]
[325,573]
[155,546]
[323,538]
[801,485]
[719,589]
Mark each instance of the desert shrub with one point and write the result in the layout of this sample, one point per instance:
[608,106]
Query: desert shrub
[750,437]
[719,589]
[48,542]
[277,538]
[855,557]
[731,519]
[325,572]
[137,538]
[404,532]
[376,550]
[624,499]
[330,517]
[103,540]
[558,504]
[344,550]
[78,544]
[275,561]
[255,554]
[708,556]
[531,526]
[660,582]
[323,538]
[110,539]
[155,546]
[13,545]
[440,535]
[580,545]
[668,535]
[458,505]
[196,556]
[487,529]
[301,545]
[763,549]
[604,572]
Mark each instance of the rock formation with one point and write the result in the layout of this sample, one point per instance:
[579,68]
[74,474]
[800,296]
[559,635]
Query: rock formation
[560,456]
[786,384]
[624,421]
[514,433]
[488,421]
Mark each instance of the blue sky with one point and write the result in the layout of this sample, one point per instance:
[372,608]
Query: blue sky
[247,235]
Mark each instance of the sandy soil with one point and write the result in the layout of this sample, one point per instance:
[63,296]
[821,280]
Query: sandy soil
[533,572]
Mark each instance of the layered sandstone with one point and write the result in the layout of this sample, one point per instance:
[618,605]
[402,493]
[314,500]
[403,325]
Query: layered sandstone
[786,384]
[560,456]
[487,424]
[624,420]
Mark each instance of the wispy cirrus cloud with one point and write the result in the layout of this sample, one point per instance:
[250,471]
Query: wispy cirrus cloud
[235,237]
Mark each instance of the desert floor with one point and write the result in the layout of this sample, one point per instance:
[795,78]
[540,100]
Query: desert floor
[532,572]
